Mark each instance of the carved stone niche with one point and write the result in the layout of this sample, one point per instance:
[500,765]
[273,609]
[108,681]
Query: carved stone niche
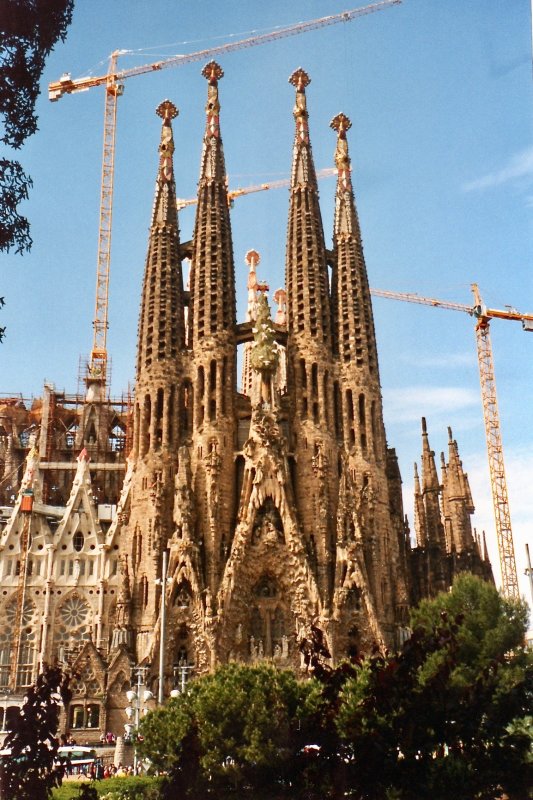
[270,627]
[268,527]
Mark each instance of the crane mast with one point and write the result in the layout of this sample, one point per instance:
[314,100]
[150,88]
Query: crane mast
[491,417]
[97,371]
[98,358]
[498,482]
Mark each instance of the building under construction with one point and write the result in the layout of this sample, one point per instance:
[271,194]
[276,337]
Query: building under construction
[230,503]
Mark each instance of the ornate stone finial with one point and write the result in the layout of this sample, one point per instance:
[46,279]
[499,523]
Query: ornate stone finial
[424,426]
[300,79]
[450,434]
[252,258]
[213,72]
[341,123]
[167,110]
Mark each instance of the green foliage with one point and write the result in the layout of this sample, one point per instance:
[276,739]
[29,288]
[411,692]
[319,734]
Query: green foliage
[491,627]
[240,729]
[131,788]
[444,713]
[14,228]
[29,29]
[30,774]
[444,719]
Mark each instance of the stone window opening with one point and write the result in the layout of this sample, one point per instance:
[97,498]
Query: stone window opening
[84,715]
[78,541]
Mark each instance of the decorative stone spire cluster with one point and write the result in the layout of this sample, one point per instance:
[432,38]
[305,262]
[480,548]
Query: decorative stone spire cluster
[161,324]
[354,335]
[307,273]
[212,311]
[445,540]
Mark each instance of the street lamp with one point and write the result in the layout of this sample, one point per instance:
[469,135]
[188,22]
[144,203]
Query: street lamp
[137,698]
[183,672]
[163,581]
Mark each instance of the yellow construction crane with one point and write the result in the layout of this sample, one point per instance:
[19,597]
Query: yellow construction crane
[114,88]
[500,500]
[326,172]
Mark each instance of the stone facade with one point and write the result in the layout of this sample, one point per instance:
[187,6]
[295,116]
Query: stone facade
[276,507]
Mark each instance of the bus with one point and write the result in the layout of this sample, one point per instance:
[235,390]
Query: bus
[76,759]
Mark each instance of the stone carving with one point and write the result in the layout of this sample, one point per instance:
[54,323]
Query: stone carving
[183,496]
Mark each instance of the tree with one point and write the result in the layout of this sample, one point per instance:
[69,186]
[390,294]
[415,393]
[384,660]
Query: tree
[445,718]
[31,771]
[242,729]
[441,718]
[29,29]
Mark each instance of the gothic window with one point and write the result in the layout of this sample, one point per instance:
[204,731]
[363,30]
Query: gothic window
[26,657]
[84,716]
[78,541]
[200,395]
[6,638]
[72,627]
[212,389]
[26,653]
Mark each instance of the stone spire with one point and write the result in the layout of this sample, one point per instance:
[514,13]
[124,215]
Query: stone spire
[431,493]
[420,513]
[306,267]
[161,325]
[212,309]
[353,324]
[457,500]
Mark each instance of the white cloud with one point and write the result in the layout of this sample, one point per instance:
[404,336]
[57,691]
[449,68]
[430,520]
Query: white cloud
[519,166]
[413,402]
[445,360]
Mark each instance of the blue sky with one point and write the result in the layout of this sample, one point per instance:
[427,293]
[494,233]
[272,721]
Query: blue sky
[440,97]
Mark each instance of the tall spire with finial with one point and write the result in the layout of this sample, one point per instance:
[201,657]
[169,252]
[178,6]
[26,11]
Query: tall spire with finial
[457,499]
[212,308]
[306,266]
[161,324]
[353,324]
[431,493]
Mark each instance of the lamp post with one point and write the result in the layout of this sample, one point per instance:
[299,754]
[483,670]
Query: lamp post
[162,581]
[182,673]
[137,698]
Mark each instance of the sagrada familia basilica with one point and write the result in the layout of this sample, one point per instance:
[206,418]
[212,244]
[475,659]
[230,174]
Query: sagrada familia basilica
[197,522]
